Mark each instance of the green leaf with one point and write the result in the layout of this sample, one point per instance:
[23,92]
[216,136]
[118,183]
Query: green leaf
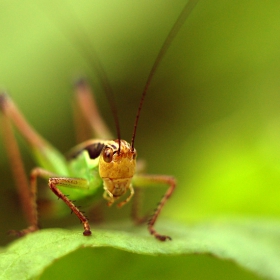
[251,243]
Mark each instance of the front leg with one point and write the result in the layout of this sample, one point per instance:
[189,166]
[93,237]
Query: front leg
[151,180]
[54,182]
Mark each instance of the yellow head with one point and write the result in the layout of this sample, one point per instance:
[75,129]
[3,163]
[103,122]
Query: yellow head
[116,168]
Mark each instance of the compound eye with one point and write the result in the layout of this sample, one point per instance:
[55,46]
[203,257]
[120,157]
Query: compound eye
[108,155]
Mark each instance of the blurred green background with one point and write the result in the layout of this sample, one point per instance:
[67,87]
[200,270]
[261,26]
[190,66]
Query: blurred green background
[211,117]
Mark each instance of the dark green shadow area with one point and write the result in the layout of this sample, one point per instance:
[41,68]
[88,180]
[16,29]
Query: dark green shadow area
[105,263]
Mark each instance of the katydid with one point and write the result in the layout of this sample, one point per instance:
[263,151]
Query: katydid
[89,165]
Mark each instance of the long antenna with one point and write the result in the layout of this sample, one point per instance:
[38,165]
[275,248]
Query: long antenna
[85,46]
[172,33]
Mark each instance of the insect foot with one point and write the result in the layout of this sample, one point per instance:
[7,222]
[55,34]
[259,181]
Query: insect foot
[159,236]
[163,237]
[87,233]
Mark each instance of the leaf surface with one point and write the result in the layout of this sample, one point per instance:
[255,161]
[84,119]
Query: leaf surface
[251,243]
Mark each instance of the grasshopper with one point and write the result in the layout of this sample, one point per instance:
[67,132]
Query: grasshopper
[89,165]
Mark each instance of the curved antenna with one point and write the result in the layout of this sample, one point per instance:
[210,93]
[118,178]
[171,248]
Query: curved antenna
[172,33]
[83,45]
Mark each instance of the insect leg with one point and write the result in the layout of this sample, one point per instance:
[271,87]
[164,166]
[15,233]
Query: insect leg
[89,109]
[45,155]
[32,192]
[10,110]
[54,183]
[149,180]
[17,166]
